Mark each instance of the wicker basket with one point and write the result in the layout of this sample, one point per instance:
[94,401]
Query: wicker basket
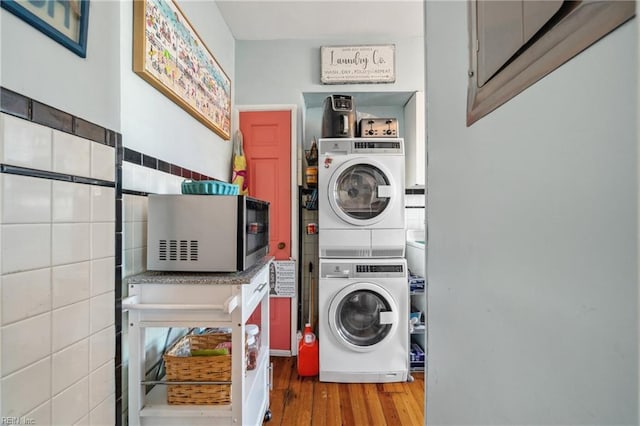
[198,369]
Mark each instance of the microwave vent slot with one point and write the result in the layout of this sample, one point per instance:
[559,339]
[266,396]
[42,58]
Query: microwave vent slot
[194,251]
[178,250]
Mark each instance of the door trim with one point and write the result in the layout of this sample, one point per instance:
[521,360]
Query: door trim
[295,181]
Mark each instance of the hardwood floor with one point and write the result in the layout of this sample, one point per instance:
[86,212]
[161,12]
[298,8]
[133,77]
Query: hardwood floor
[298,401]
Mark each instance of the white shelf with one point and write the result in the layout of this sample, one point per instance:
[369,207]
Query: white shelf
[156,406]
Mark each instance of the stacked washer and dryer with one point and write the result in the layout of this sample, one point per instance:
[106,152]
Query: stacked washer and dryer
[363,299]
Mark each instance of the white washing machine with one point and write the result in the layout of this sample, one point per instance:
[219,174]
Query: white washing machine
[363,320]
[361,197]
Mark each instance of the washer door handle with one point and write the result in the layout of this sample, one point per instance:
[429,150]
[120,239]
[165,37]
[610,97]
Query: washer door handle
[385,191]
[387,317]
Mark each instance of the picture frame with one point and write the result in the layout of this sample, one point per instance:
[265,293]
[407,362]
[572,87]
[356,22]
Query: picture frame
[169,54]
[65,22]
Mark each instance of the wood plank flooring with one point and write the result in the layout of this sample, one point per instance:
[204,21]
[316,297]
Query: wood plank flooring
[299,401]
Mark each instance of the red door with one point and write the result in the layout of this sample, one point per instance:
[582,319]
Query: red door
[267,147]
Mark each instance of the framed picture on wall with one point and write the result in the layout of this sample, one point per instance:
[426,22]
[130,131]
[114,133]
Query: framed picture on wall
[66,22]
[169,55]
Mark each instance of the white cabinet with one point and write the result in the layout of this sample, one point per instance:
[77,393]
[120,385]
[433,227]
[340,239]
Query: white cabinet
[170,299]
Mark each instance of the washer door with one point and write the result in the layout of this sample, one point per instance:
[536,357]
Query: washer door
[361,192]
[363,316]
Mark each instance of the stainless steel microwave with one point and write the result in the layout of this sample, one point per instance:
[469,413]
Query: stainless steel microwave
[207,233]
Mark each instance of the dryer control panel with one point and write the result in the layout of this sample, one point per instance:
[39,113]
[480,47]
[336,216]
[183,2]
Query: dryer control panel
[377,146]
[362,270]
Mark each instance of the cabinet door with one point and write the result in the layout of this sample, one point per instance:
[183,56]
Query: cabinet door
[504,27]
[536,13]
[499,26]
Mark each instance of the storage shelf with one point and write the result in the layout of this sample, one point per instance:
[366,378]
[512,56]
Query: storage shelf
[156,406]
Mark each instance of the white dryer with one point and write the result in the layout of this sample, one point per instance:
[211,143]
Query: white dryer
[361,197]
[363,320]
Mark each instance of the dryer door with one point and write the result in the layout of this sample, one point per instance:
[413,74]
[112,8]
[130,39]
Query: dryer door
[362,316]
[361,191]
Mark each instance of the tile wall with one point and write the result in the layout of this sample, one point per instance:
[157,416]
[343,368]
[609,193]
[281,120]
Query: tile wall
[415,208]
[73,219]
[143,175]
[57,268]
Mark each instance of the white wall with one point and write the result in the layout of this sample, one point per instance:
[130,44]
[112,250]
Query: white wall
[532,218]
[155,125]
[34,65]
[280,71]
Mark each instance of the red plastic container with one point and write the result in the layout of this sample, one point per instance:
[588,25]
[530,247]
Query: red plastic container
[308,353]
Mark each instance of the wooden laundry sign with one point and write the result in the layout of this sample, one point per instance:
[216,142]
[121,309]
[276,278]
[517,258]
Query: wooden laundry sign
[358,64]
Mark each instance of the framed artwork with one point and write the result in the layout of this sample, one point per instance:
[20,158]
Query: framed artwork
[169,55]
[66,22]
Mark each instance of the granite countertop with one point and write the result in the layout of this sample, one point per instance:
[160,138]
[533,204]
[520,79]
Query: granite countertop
[213,278]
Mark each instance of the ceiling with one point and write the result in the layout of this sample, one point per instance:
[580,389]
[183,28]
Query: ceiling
[322,19]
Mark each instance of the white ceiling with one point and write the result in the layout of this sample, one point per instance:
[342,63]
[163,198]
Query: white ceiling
[322,19]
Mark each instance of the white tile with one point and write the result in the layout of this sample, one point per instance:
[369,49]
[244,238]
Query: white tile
[139,234]
[128,266]
[71,202]
[134,235]
[70,243]
[25,294]
[102,311]
[101,384]
[72,404]
[25,247]
[70,325]
[127,235]
[103,275]
[26,199]
[103,204]
[27,389]
[102,240]
[127,175]
[141,178]
[414,200]
[41,415]
[104,414]
[134,208]
[127,207]
[70,283]
[25,144]
[70,365]
[140,260]
[102,347]
[103,161]
[25,342]
[71,154]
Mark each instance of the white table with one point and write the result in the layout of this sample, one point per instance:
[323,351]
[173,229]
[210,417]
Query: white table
[186,300]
